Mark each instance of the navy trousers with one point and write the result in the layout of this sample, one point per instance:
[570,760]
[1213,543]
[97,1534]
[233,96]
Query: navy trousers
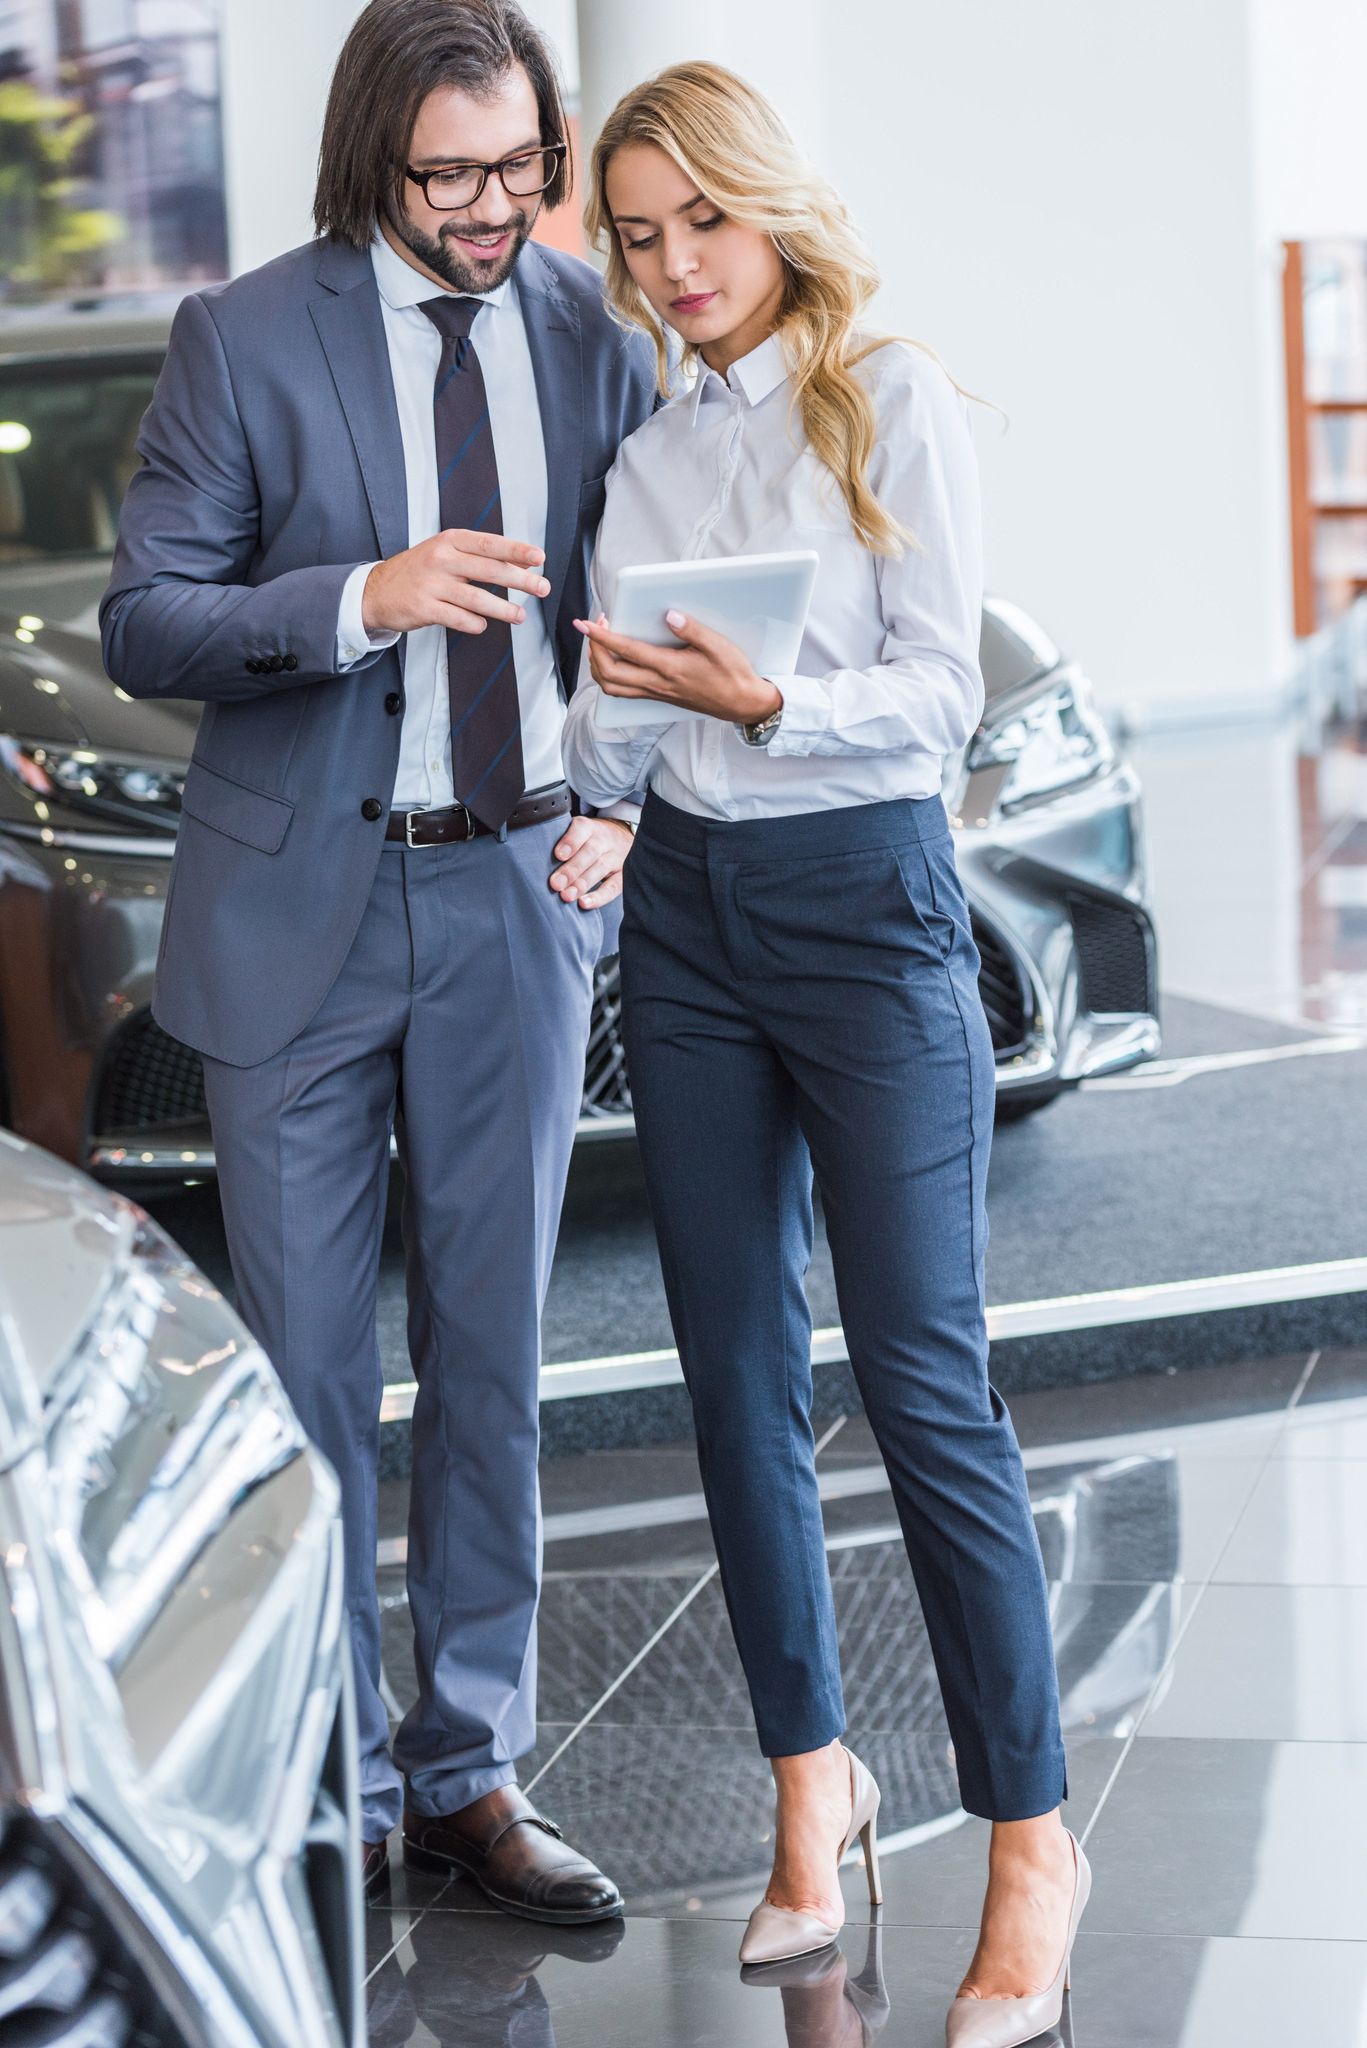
[801,993]
[463,1010]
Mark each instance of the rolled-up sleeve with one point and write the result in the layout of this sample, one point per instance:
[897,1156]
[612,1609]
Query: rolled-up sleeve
[926,692]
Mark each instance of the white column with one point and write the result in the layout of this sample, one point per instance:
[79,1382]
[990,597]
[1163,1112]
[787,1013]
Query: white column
[776,44]
[278,58]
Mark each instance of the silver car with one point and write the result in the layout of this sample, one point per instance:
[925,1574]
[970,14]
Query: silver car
[178,1811]
[1050,818]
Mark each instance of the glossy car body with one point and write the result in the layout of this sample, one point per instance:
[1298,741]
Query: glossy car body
[1050,836]
[178,1809]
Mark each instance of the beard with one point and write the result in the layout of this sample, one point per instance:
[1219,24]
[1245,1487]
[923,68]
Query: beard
[438,256]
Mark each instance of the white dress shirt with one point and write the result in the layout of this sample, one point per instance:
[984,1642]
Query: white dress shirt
[888,680]
[500,339]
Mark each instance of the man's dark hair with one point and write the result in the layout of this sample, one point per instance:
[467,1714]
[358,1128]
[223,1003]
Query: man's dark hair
[397,53]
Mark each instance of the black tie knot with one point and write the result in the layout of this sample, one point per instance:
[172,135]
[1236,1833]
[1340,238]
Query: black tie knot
[451,316]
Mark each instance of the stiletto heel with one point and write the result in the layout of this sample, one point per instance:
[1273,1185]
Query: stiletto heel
[778,1933]
[1009,2022]
[869,1841]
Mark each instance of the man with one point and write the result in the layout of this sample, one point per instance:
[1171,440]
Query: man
[372,470]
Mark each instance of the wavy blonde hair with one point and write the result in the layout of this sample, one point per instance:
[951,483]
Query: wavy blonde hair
[729,141]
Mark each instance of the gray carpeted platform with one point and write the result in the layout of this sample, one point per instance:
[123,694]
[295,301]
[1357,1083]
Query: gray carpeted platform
[1229,1172]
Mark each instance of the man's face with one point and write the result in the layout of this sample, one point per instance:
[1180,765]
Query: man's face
[474,249]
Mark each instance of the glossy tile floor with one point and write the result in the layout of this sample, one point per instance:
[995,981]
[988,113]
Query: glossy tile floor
[1205,1536]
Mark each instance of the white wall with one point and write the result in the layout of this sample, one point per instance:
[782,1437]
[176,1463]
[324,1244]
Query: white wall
[781,45]
[278,57]
[1061,196]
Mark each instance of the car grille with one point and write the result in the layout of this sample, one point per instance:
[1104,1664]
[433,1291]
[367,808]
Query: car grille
[149,1080]
[1002,989]
[607,1091]
[64,1979]
[1115,956]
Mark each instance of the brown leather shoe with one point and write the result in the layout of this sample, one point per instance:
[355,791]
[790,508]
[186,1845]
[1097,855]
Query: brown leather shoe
[517,1858]
[374,1869]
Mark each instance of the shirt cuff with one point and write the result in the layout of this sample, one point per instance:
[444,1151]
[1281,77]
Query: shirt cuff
[353,642]
[625,809]
[806,714]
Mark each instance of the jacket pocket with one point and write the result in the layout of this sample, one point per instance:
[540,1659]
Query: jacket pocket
[235,809]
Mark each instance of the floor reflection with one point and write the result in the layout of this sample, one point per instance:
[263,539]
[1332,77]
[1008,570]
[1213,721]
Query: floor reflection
[474,1982]
[826,2002]
[1205,1541]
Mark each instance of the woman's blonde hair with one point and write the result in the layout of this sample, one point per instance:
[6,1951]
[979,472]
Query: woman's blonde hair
[732,145]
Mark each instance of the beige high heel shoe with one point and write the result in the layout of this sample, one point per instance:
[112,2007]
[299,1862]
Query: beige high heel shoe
[1009,2022]
[778,1933]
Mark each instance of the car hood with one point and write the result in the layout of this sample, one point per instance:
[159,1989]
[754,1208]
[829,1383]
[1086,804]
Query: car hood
[62,1239]
[85,709]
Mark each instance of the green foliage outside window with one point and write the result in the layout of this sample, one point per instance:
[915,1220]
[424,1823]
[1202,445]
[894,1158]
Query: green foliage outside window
[47,243]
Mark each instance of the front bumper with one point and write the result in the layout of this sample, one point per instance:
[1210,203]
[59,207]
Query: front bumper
[1059,894]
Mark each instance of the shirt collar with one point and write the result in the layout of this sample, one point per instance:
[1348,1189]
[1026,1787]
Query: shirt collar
[401,285]
[751,378]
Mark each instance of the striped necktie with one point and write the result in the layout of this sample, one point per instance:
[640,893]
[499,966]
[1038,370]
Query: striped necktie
[486,731]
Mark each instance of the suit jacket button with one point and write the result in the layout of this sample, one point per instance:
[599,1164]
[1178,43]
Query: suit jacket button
[253,668]
[393,703]
[291,662]
[372,809]
[276,663]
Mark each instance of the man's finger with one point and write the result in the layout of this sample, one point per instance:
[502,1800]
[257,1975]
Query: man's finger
[473,597]
[504,575]
[520,552]
[456,618]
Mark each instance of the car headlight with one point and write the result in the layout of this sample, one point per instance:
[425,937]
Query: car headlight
[123,789]
[1052,741]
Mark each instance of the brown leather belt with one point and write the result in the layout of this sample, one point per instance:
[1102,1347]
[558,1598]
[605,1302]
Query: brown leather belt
[448,827]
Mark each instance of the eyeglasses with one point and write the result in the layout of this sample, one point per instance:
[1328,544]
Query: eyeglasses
[522,177]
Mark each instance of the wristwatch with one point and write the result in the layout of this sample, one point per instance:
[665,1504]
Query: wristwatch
[761,734]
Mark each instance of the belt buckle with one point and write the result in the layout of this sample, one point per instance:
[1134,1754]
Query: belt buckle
[409,841]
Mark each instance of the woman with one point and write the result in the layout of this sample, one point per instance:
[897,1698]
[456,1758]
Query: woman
[800,989]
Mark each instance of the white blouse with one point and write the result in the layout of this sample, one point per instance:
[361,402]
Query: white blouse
[889,682]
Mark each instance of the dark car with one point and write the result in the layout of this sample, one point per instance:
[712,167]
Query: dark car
[1049,817]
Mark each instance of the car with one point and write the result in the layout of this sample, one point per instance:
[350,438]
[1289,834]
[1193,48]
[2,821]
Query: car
[179,1849]
[1048,814]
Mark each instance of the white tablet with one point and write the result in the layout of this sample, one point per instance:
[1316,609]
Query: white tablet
[759,601]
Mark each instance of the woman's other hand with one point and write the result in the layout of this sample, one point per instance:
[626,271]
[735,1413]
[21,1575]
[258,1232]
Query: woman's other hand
[706,672]
[594,852]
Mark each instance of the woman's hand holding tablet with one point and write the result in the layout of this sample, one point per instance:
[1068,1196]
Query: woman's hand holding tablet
[737,618]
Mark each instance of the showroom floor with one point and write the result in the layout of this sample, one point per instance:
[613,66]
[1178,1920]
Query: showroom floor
[1206,1539]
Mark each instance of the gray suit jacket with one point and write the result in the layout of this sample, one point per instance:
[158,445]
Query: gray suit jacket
[273,465]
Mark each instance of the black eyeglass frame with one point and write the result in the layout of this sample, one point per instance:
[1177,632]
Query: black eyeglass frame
[558,150]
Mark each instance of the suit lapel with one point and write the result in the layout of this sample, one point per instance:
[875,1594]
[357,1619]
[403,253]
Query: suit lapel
[555,344]
[350,326]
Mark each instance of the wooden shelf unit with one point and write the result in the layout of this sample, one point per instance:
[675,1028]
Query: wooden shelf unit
[1301,412]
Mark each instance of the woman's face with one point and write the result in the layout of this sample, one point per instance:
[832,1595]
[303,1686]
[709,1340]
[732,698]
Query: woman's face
[714,280]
